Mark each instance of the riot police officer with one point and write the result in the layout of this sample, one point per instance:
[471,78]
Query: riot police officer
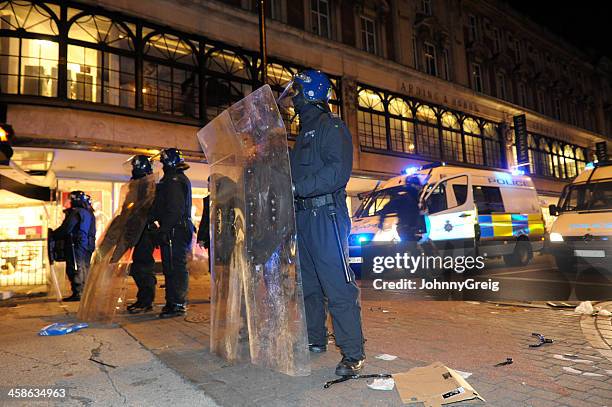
[321,164]
[143,263]
[78,230]
[172,210]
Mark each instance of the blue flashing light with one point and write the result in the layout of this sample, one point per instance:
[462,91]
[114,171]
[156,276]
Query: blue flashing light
[518,172]
[362,238]
[411,170]
[589,166]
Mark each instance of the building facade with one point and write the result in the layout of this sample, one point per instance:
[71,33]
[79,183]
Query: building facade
[87,83]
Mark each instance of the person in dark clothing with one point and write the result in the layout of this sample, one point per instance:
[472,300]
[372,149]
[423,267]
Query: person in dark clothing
[321,164]
[143,263]
[172,210]
[203,236]
[78,230]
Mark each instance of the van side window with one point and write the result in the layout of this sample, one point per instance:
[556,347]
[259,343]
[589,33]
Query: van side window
[436,202]
[488,200]
[460,193]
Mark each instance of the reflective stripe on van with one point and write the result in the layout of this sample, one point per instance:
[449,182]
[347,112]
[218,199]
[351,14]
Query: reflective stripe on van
[510,225]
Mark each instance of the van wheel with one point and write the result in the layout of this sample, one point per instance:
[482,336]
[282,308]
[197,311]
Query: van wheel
[520,256]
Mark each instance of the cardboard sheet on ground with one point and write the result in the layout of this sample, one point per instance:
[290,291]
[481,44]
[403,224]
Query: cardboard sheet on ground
[106,283]
[257,310]
[433,386]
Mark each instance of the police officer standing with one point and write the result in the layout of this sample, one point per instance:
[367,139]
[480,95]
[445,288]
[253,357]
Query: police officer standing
[172,210]
[78,230]
[321,164]
[143,263]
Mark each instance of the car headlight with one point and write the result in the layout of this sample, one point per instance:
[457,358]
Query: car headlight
[556,237]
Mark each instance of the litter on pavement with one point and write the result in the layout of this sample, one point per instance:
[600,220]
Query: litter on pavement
[541,340]
[434,385]
[508,361]
[386,356]
[604,313]
[382,384]
[465,375]
[61,328]
[585,308]
[330,383]
[572,370]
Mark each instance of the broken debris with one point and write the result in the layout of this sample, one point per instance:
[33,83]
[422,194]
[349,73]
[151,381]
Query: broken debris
[61,328]
[386,356]
[382,384]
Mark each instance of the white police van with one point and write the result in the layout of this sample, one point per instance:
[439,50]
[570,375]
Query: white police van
[582,233]
[496,213]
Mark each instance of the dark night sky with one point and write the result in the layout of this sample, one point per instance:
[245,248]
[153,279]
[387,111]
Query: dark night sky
[586,24]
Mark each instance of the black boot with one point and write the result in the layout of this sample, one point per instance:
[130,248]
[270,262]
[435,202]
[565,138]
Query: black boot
[137,308]
[349,366]
[73,298]
[173,310]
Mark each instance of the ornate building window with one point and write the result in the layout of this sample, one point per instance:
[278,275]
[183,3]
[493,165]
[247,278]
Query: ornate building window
[473,142]
[431,64]
[428,134]
[29,48]
[477,78]
[500,81]
[492,144]
[452,147]
[497,40]
[368,35]
[371,120]
[101,60]
[401,126]
[320,18]
[472,27]
[552,158]
[170,75]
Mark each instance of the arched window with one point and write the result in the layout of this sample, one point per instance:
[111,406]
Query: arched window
[401,126]
[580,159]
[29,48]
[278,76]
[492,145]
[170,75]
[451,137]
[558,160]
[227,78]
[428,135]
[473,142]
[101,61]
[570,162]
[371,119]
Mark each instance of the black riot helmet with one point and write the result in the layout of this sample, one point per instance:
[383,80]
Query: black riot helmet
[171,157]
[141,166]
[78,199]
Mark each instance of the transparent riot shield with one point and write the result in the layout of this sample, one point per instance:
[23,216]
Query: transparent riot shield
[257,308]
[106,283]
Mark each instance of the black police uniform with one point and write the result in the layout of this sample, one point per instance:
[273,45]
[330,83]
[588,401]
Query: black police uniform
[321,164]
[143,262]
[78,230]
[172,209]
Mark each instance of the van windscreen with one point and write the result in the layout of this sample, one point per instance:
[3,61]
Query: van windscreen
[587,197]
[388,201]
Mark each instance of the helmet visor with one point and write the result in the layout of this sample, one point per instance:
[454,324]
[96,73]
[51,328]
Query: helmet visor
[285,100]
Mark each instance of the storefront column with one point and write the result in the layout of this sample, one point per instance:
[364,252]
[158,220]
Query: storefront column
[349,113]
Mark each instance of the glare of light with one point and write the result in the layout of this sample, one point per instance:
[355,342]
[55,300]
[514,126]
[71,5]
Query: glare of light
[144,90]
[44,43]
[411,147]
[411,170]
[556,237]
[3,135]
[362,238]
[389,235]
[589,166]
[518,172]
[76,68]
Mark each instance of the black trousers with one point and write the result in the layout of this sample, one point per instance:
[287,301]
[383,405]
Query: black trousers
[143,269]
[174,263]
[323,278]
[77,268]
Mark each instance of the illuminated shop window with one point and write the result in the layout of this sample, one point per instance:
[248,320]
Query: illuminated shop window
[570,162]
[552,158]
[371,120]
[278,77]
[29,66]
[401,126]
[428,140]
[492,145]
[451,137]
[473,142]
[103,72]
[170,75]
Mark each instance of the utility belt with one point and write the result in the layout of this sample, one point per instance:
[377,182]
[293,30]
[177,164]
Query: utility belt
[303,204]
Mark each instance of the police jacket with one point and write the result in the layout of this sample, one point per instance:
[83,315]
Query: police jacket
[322,157]
[172,206]
[78,227]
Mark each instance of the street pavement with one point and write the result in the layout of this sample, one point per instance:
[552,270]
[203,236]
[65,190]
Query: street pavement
[167,362]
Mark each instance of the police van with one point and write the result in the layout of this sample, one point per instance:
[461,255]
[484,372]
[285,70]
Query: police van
[493,213]
[582,233]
